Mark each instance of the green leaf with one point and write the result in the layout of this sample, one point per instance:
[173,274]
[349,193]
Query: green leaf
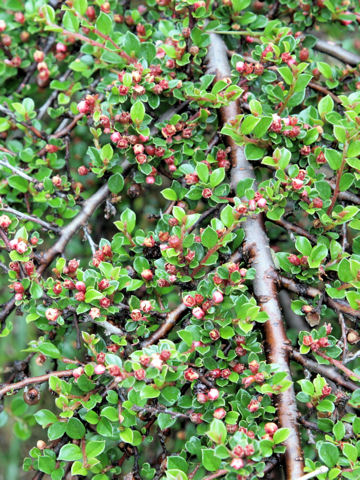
[165,420]
[303,245]
[324,69]
[75,429]
[328,453]
[92,294]
[116,183]
[45,417]
[354,149]
[339,431]
[209,238]
[286,74]
[340,133]
[78,469]
[209,460]
[203,172]
[128,217]
[56,430]
[217,177]
[137,112]
[70,453]
[227,216]
[104,23]
[281,435]
[217,431]
[81,6]
[70,21]
[326,105]
[318,253]
[350,452]
[18,183]
[248,124]
[36,291]
[252,152]
[94,448]
[169,194]
[49,349]
[239,5]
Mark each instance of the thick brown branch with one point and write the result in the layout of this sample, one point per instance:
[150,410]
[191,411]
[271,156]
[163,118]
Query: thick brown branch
[265,288]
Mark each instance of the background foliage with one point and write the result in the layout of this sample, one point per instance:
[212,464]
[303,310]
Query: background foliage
[149,156]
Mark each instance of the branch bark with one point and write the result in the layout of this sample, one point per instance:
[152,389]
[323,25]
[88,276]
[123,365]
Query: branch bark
[313,292]
[337,52]
[265,288]
[33,380]
[324,370]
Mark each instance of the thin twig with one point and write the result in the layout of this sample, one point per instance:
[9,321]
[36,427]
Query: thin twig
[324,370]
[313,292]
[33,380]
[30,218]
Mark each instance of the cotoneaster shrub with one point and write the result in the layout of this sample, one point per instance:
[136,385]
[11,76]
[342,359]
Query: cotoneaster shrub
[179,192]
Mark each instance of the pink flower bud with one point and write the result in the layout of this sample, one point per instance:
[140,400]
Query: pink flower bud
[145,306]
[77,372]
[219,413]
[217,297]
[94,313]
[99,369]
[198,313]
[52,314]
[213,394]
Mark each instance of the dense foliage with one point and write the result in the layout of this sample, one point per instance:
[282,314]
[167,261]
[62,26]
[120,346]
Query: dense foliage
[149,156]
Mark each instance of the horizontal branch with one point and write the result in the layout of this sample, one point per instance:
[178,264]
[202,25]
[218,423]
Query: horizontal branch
[313,292]
[324,370]
[30,218]
[33,381]
[294,228]
[337,52]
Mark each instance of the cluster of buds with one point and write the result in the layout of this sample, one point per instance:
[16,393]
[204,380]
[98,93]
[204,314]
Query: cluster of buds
[71,268]
[156,360]
[19,244]
[221,158]
[298,261]
[232,267]
[87,106]
[212,395]
[249,68]
[322,342]
[289,59]
[61,51]
[297,183]
[217,373]
[267,49]
[239,453]
[102,254]
[197,299]
[278,123]
[43,69]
